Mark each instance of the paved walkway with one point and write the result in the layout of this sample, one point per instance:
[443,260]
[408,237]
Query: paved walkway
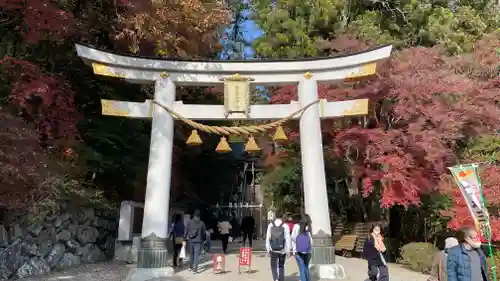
[355,270]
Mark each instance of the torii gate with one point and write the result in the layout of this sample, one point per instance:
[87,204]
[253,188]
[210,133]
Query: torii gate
[167,74]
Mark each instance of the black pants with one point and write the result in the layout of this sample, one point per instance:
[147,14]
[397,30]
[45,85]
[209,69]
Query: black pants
[224,238]
[248,235]
[177,250]
[278,266]
[382,272]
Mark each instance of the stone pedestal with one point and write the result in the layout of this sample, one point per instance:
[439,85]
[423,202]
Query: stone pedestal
[152,260]
[323,265]
[152,253]
[150,274]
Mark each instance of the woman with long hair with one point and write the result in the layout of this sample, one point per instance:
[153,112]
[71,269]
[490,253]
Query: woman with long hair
[302,246]
[374,252]
[177,234]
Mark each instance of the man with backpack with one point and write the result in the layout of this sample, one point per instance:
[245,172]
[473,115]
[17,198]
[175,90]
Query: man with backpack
[195,235]
[278,245]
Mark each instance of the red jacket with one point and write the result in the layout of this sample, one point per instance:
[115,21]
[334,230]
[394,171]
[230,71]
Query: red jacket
[290,224]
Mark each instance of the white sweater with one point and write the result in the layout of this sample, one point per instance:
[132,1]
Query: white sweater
[295,233]
[279,222]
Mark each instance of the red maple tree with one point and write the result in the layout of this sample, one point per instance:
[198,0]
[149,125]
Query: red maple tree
[38,19]
[43,98]
[23,163]
[423,106]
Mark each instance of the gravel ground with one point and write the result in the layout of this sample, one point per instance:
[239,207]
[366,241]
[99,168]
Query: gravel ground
[354,268]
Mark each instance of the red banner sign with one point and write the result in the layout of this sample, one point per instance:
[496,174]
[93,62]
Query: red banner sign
[245,258]
[219,263]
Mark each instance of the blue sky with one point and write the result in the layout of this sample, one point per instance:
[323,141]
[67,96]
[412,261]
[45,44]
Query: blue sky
[250,32]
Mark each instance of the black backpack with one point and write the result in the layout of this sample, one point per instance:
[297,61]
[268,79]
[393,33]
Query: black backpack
[277,238]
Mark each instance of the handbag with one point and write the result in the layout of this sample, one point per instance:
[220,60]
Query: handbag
[182,254]
[179,240]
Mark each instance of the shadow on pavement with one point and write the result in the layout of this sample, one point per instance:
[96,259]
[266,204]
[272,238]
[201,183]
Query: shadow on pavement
[171,278]
[292,277]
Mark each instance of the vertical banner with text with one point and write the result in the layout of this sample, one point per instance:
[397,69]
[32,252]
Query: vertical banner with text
[467,179]
[245,259]
[469,182]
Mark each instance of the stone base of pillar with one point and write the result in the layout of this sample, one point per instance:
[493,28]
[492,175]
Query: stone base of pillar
[327,272]
[322,266]
[150,274]
[152,260]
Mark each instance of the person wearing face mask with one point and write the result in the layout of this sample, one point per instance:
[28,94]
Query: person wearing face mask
[374,252]
[467,262]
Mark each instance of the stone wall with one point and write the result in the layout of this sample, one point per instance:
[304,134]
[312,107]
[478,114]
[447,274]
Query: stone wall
[66,239]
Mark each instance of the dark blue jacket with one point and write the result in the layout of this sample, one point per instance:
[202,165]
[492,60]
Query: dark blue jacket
[458,265]
[371,254]
[177,229]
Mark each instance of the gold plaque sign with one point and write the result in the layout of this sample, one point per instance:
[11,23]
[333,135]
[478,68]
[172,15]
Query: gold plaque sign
[113,108]
[101,69]
[237,94]
[359,108]
[365,70]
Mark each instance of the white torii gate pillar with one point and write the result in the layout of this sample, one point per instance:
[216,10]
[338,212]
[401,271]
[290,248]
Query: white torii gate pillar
[166,74]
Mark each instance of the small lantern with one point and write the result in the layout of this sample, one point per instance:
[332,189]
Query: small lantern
[223,146]
[251,145]
[194,139]
[279,135]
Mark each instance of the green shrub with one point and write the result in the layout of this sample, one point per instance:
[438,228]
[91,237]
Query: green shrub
[418,256]
[71,192]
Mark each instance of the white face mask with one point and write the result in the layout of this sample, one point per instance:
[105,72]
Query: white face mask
[474,244]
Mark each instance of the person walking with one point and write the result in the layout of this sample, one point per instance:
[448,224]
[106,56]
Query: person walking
[247,227]
[374,252]
[290,221]
[302,246]
[177,236]
[438,270]
[195,235]
[278,245]
[208,240]
[224,230]
[236,228]
[466,261]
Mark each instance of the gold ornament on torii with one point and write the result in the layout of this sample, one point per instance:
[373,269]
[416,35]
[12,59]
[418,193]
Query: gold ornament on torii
[237,94]
[236,100]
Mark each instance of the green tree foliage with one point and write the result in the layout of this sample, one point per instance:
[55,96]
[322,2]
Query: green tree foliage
[294,28]
[282,186]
